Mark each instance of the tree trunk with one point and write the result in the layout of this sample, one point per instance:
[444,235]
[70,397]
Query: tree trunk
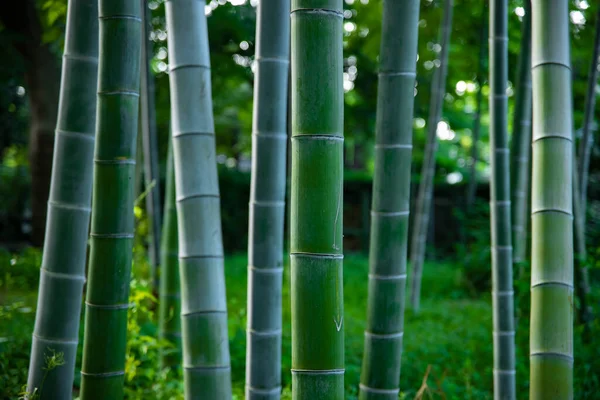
[316,200]
[42,80]
[63,265]
[267,201]
[551,322]
[112,227]
[424,197]
[380,377]
[206,362]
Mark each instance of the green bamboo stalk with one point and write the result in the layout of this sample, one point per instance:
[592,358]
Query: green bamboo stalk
[62,274]
[202,277]
[169,294]
[425,193]
[587,139]
[551,340]
[317,200]
[500,224]
[521,143]
[107,299]
[149,144]
[380,377]
[472,186]
[267,201]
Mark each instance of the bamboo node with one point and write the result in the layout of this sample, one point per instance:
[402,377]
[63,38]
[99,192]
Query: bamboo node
[71,277]
[369,389]
[393,146]
[190,65]
[76,135]
[110,306]
[67,206]
[103,374]
[387,277]
[339,371]
[55,340]
[275,390]
[384,335]
[265,270]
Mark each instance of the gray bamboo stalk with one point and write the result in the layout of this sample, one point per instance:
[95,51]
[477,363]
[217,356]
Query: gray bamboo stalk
[206,360]
[425,193]
[551,322]
[150,144]
[521,143]
[500,223]
[581,270]
[267,201]
[62,274]
[170,294]
[587,139]
[472,186]
[316,226]
[380,377]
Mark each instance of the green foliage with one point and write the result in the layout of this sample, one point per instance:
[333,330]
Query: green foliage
[472,250]
[14,190]
[19,272]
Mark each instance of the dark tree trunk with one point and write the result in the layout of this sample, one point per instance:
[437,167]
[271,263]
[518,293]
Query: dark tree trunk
[42,79]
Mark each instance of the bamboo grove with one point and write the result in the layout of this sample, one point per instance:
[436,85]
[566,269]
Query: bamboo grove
[107,91]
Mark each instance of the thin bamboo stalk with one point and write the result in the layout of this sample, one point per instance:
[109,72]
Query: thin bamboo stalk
[551,326]
[267,201]
[150,144]
[206,363]
[316,200]
[425,193]
[587,139]
[500,224]
[472,186]
[63,265]
[380,377]
[585,312]
[521,143]
[170,293]
[107,299]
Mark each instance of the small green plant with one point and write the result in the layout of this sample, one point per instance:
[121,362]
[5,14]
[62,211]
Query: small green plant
[53,360]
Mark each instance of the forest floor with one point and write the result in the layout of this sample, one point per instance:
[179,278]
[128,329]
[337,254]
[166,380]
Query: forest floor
[447,345]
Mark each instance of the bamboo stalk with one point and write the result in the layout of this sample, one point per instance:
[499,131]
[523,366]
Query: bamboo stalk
[551,326]
[587,139]
[380,377]
[112,227]
[472,186]
[206,360]
[425,193]
[267,201]
[521,143]
[500,223]
[62,274]
[316,200]
[150,144]
[170,293]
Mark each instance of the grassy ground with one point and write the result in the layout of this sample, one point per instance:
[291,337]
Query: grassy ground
[447,346]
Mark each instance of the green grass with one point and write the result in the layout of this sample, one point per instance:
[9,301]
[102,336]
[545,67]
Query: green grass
[449,341]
